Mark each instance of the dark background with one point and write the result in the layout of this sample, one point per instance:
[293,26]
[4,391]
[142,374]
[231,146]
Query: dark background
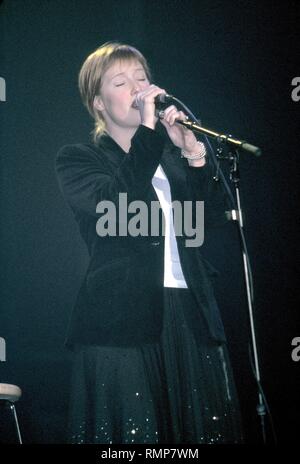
[232,63]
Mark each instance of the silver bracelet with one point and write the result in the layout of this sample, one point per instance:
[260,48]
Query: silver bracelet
[196,156]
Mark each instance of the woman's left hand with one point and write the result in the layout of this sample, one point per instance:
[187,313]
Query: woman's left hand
[181,136]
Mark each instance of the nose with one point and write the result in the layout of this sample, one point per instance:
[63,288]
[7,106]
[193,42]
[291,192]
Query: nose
[134,90]
[136,87]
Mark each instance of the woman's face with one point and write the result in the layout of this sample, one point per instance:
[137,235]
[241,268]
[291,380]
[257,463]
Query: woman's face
[120,83]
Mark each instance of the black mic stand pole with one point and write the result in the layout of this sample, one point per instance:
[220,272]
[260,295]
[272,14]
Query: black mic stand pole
[236,215]
[233,157]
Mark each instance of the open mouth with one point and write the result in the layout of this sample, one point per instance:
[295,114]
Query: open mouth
[134,105]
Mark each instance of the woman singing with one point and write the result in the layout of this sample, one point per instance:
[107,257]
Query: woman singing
[150,357]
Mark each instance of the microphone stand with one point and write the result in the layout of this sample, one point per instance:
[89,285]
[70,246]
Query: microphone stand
[236,215]
[233,158]
[221,138]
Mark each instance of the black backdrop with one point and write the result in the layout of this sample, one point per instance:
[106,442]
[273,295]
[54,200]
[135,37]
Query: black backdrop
[232,62]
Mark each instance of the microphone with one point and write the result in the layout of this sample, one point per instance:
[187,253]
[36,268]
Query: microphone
[161,101]
[163,98]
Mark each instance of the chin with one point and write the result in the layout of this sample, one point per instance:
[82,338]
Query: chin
[132,122]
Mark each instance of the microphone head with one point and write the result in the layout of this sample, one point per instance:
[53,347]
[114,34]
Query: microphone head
[161,102]
[163,98]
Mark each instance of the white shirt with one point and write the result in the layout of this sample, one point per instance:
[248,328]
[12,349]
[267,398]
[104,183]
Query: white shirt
[173,275]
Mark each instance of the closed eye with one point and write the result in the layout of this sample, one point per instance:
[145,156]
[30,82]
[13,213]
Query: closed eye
[123,83]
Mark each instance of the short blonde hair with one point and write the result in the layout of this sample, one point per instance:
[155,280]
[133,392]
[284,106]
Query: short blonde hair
[92,71]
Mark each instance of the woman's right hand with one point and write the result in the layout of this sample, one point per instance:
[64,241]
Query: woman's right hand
[146,105]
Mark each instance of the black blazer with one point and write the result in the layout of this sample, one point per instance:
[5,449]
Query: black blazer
[120,301]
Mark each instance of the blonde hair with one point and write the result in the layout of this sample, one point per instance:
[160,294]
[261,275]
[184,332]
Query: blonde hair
[92,71]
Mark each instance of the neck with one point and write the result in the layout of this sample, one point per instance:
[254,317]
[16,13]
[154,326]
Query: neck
[122,136]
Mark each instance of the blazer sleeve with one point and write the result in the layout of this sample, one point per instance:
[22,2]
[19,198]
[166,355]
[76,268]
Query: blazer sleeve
[212,192]
[85,179]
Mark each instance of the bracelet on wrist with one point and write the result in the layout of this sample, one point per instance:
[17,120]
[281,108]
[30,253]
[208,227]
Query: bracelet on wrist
[195,156]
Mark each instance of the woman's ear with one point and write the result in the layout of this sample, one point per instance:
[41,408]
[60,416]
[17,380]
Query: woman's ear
[98,104]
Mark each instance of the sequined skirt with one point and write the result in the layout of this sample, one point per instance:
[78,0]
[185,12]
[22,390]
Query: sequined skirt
[180,390]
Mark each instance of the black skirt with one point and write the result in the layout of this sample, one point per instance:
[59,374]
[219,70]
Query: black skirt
[180,390]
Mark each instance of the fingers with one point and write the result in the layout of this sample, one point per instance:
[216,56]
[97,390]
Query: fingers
[171,114]
[146,105]
[148,95]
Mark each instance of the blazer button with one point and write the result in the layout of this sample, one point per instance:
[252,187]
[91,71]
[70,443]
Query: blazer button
[155,243]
